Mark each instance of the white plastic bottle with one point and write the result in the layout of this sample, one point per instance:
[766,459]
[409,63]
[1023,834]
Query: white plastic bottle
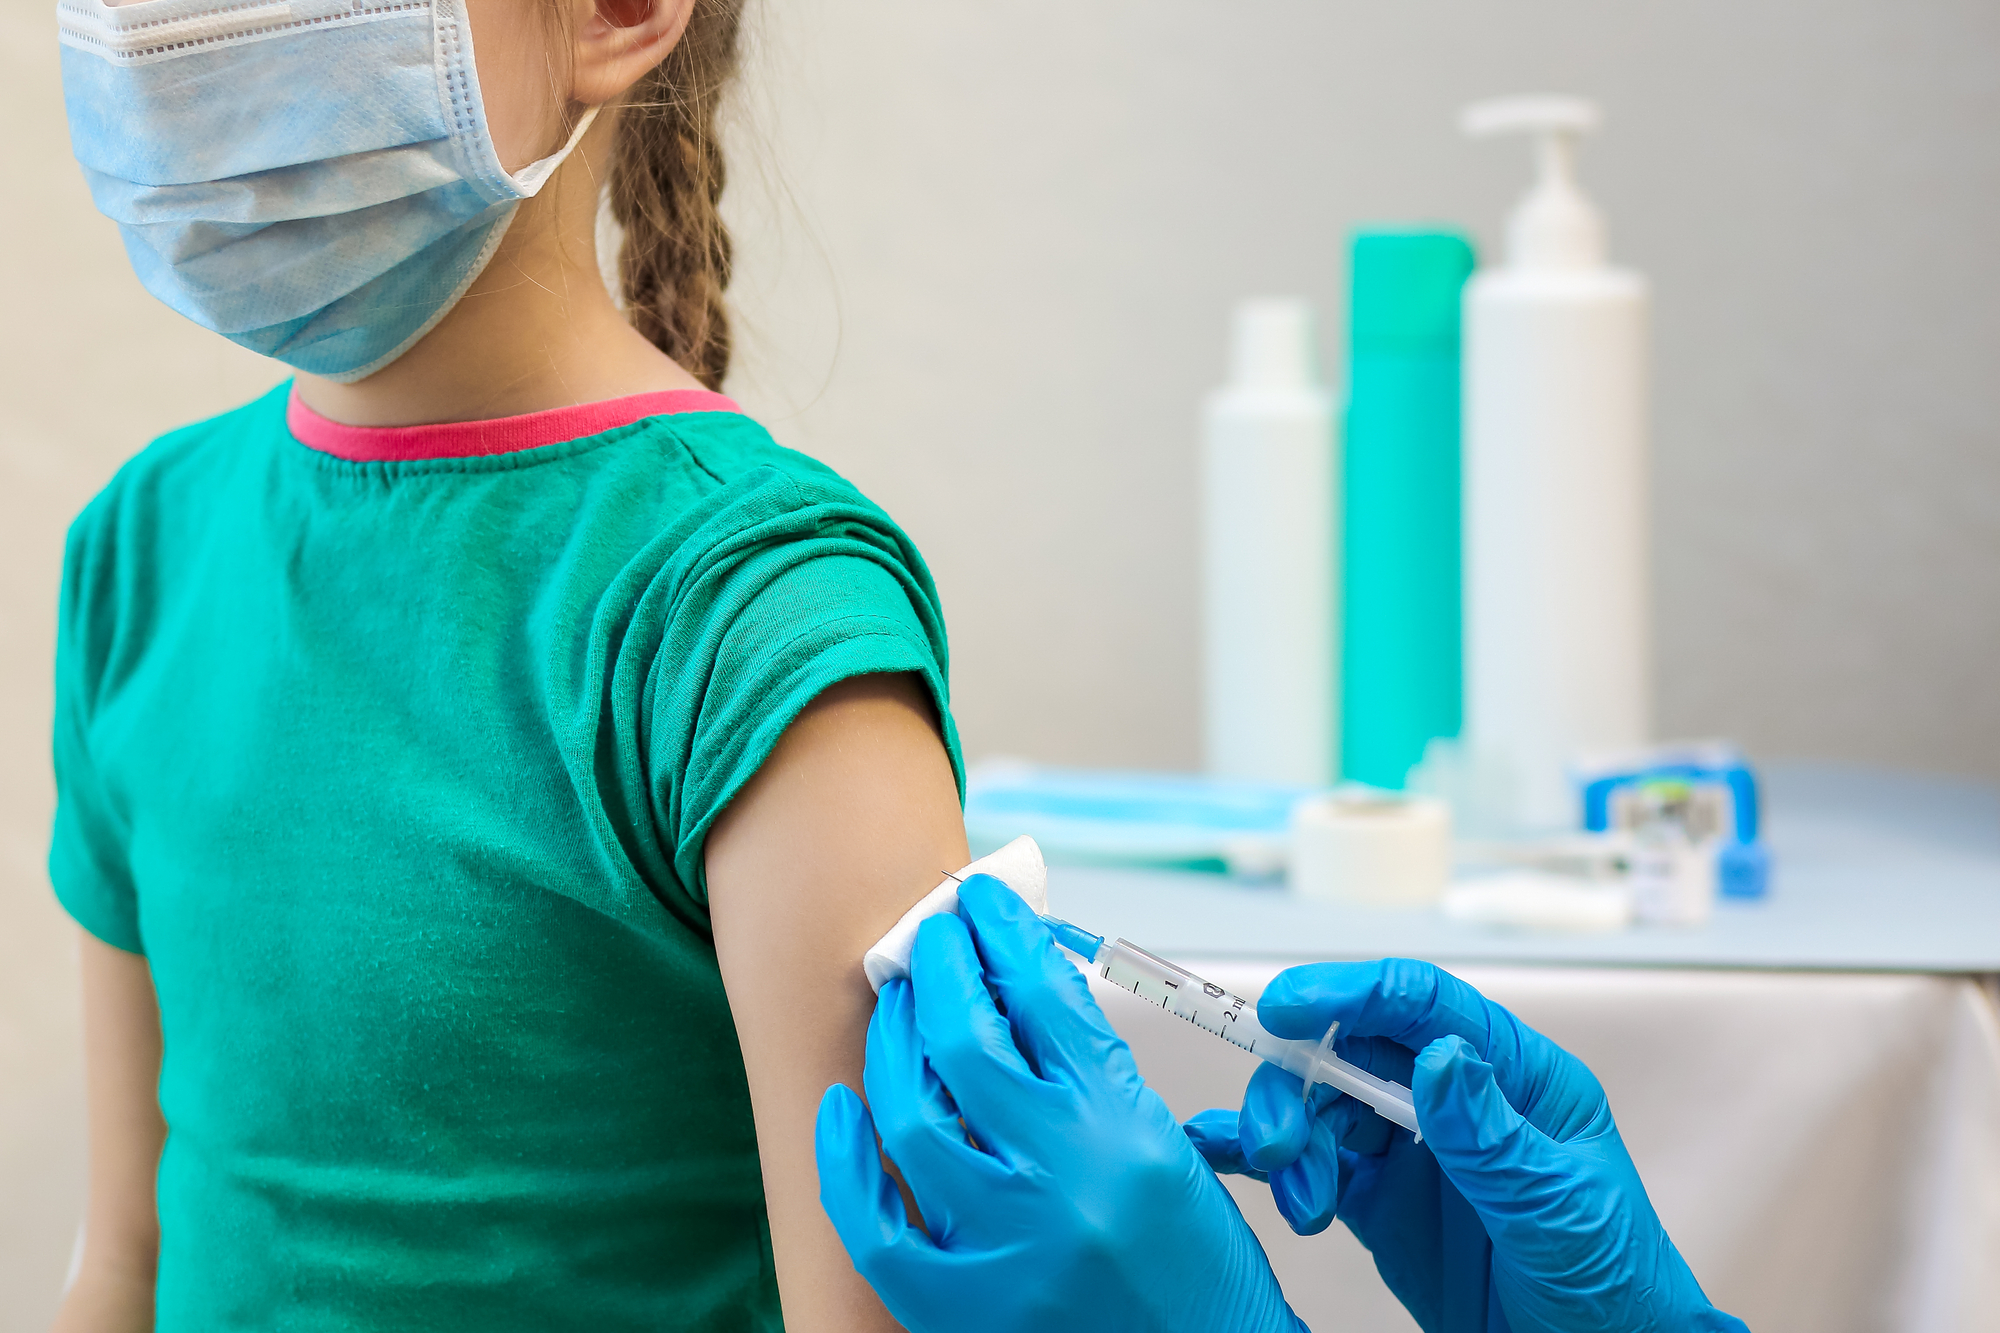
[1558,656]
[1268,552]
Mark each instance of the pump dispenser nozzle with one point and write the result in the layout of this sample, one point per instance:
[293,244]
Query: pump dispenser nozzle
[1273,347]
[1555,225]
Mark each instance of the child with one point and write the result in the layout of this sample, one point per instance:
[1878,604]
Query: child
[482,761]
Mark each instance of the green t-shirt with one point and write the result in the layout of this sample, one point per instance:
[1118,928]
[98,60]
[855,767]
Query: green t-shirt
[399,774]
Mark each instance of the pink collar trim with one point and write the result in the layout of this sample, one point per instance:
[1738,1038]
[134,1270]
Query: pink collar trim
[502,435]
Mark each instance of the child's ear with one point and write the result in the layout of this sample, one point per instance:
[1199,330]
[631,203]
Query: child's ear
[619,41]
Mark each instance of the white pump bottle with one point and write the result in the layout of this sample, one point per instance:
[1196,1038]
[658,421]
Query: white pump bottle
[1269,537]
[1557,618]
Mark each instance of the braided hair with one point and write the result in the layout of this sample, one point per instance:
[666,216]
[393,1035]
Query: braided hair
[666,181]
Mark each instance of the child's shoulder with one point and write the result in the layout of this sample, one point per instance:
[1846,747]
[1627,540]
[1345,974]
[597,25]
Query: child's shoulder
[732,447]
[754,493]
[187,459]
[740,458]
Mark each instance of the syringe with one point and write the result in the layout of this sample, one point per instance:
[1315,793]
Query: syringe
[1232,1018]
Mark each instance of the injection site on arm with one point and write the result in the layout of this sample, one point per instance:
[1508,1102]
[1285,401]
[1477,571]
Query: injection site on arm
[1018,865]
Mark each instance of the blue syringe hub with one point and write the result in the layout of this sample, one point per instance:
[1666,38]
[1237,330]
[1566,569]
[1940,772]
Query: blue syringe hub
[1074,938]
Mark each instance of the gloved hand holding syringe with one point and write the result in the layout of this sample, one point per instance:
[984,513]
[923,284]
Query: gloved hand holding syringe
[1058,1191]
[1232,1018]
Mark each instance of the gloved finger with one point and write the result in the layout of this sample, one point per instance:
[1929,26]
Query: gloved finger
[917,1119]
[1504,1166]
[1277,1121]
[1358,1126]
[1355,1125]
[1378,1055]
[890,1252]
[860,1199]
[1213,1133]
[1410,1003]
[1307,1191]
[1362,1129]
[967,1041]
[1056,1021]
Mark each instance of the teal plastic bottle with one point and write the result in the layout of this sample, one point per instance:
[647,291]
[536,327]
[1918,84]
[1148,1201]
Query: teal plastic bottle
[1402,674]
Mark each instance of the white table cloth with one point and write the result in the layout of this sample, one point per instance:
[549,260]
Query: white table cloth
[1824,1148]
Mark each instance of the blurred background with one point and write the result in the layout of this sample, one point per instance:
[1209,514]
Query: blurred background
[986,256]
[999,287]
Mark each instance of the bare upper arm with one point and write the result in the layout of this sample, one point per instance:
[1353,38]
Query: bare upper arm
[121,1033]
[853,817]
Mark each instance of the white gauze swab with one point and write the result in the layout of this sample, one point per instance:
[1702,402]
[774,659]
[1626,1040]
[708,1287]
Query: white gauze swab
[1018,865]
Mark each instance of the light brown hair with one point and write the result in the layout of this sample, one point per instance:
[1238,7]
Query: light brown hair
[666,183]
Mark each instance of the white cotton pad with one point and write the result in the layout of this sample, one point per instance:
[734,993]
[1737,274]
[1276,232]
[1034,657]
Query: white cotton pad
[1018,865]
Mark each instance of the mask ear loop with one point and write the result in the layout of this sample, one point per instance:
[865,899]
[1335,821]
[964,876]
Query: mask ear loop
[530,179]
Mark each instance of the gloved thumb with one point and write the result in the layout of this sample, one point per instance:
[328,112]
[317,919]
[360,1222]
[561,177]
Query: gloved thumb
[1214,1135]
[1501,1164]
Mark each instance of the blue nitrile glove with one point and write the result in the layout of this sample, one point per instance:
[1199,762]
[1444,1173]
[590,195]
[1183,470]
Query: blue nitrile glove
[1519,1147]
[1056,1188]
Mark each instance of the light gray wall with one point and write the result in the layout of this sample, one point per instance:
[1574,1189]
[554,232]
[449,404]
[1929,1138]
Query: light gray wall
[987,254]
[90,368]
[1034,217]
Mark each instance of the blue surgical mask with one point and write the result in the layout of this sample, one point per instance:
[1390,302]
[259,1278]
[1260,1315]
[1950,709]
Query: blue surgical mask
[312,179]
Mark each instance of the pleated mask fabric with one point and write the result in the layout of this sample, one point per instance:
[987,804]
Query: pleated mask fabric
[312,179]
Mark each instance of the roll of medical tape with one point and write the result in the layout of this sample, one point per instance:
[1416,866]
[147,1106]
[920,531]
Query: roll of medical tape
[1371,850]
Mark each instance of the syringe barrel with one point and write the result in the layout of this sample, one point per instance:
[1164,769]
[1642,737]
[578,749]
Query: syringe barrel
[1234,1019]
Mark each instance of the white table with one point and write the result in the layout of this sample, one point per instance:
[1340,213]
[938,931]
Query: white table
[1810,1087]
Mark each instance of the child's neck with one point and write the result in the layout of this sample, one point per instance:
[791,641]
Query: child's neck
[537,330]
